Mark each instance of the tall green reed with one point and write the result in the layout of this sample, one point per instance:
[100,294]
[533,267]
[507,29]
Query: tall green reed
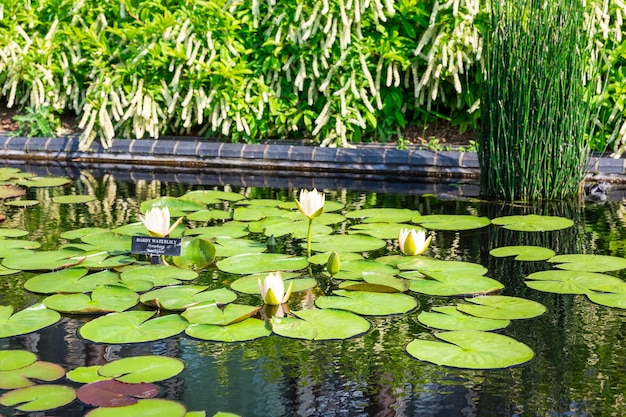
[535,112]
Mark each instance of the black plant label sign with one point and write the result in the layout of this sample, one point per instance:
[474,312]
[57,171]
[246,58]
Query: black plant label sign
[146,245]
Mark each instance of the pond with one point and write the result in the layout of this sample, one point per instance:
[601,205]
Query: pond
[577,366]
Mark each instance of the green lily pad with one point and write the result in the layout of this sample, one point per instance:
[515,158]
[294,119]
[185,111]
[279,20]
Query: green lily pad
[25,376]
[574,282]
[383,215]
[73,199]
[6,244]
[451,222]
[211,195]
[329,205]
[378,230]
[38,397]
[260,225]
[533,223]
[196,253]
[132,327]
[208,215]
[176,206]
[158,275]
[471,349]
[345,243]
[7,271]
[354,270]
[219,315]
[256,213]
[377,282]
[97,259]
[502,307]
[226,246]
[85,374]
[250,284]
[231,229]
[6,232]
[104,299]
[426,265]
[297,229]
[523,253]
[321,324]
[136,369]
[322,258]
[368,303]
[70,280]
[261,202]
[325,219]
[15,359]
[109,241]
[617,300]
[183,296]
[22,203]
[79,233]
[113,393]
[454,284]
[249,329]
[150,407]
[31,319]
[44,181]
[40,260]
[450,318]
[588,262]
[261,262]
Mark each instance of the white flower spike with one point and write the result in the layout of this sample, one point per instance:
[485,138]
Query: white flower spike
[157,222]
[311,203]
[273,289]
[413,243]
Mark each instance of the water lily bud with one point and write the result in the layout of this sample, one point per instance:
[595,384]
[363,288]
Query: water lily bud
[271,244]
[311,203]
[413,243]
[333,264]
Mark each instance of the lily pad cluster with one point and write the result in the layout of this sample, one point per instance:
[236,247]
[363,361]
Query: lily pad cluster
[122,388]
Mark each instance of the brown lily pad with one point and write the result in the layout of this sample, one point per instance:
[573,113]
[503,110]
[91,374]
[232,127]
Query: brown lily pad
[11,191]
[112,393]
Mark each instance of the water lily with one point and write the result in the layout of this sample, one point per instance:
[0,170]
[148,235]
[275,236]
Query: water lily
[311,203]
[412,242]
[157,221]
[273,289]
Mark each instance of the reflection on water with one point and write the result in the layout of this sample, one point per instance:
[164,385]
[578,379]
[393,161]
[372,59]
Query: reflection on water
[579,368]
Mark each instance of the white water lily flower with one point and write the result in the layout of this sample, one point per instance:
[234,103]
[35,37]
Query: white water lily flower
[412,242]
[157,221]
[311,203]
[273,289]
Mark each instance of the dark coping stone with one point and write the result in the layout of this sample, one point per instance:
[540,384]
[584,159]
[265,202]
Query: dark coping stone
[370,156]
[325,154]
[253,151]
[3,141]
[230,150]
[469,160]
[164,147]
[208,150]
[448,159]
[420,157]
[277,152]
[611,166]
[347,156]
[37,144]
[17,143]
[121,146]
[185,148]
[301,153]
[396,157]
[142,146]
[67,144]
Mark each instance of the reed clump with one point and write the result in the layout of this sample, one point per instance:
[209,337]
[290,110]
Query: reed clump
[536,109]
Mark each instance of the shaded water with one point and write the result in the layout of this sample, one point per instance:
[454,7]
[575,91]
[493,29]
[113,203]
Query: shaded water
[579,367]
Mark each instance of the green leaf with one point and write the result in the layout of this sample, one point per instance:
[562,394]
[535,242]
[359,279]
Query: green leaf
[378,230]
[15,359]
[109,241]
[104,299]
[23,377]
[454,284]
[137,369]
[73,199]
[157,275]
[212,313]
[132,327]
[70,280]
[38,397]
[451,222]
[40,260]
[249,329]
[261,262]
[151,407]
[523,253]
[297,229]
[607,299]
[324,324]
[226,246]
[345,243]
[574,282]
[184,296]
[31,319]
[427,265]
[44,182]
[471,349]
[196,253]
[588,262]
[368,303]
[533,223]
[450,318]
[354,270]
[176,206]
[383,215]
[502,307]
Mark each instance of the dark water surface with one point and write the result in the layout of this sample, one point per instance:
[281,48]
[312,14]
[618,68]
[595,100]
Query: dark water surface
[579,367]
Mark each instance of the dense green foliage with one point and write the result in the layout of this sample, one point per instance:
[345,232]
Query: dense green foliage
[334,71]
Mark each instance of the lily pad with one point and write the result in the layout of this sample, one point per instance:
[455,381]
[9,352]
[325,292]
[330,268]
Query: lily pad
[297,229]
[109,241]
[261,262]
[533,223]
[429,265]
[377,282]
[176,206]
[448,284]
[321,324]
[44,181]
[150,407]
[226,246]
[523,253]
[617,300]
[196,253]
[112,393]
[249,329]
[70,280]
[502,307]
[211,195]
[250,284]
[26,376]
[219,315]
[79,233]
[322,258]
[451,222]
[15,359]
[231,229]
[588,262]
[251,214]
[158,275]
[41,260]
[368,303]
[132,327]
[6,232]
[383,215]
[378,230]
[183,296]
[22,203]
[11,191]
[73,199]
[132,370]
[208,215]
[354,270]
[471,349]
[450,318]
[574,282]
[345,243]
[31,319]
[38,397]
[104,299]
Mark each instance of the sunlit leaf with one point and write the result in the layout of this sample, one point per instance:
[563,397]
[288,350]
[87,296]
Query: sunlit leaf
[151,407]
[574,282]
[212,313]
[502,307]
[38,397]
[249,329]
[261,262]
[589,262]
[368,303]
[321,324]
[28,375]
[104,299]
[132,327]
[450,318]
[451,222]
[73,199]
[31,319]
[523,253]
[533,223]
[182,296]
